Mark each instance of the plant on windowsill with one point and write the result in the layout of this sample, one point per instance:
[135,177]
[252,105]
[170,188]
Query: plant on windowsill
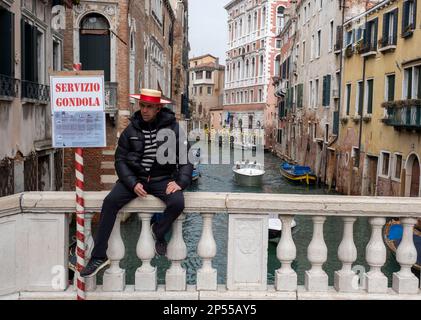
[367,117]
[402,103]
[359,46]
[408,31]
[344,120]
[356,118]
[349,51]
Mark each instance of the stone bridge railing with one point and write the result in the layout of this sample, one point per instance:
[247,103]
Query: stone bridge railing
[34,236]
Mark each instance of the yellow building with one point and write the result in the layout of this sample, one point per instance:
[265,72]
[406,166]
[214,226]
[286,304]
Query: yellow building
[382,85]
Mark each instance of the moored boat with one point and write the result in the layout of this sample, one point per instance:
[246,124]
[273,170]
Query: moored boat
[294,172]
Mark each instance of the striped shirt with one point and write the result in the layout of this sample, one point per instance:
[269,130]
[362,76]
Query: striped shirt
[149,155]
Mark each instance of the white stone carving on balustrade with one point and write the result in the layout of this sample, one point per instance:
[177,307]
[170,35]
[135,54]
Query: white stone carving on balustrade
[146,275]
[345,280]
[247,252]
[286,277]
[114,277]
[405,281]
[175,277]
[375,254]
[206,249]
[316,278]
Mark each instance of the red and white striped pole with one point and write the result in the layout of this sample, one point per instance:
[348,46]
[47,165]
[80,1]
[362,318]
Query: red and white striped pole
[80,216]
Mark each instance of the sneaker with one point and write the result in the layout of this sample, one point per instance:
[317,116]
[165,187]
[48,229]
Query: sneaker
[94,266]
[160,245]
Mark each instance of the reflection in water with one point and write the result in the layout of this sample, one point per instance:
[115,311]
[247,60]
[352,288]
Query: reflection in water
[218,178]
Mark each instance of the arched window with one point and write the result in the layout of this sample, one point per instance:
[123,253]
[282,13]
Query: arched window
[277,70]
[261,66]
[239,70]
[255,21]
[233,72]
[95,44]
[249,24]
[253,67]
[250,122]
[240,33]
[280,19]
[263,24]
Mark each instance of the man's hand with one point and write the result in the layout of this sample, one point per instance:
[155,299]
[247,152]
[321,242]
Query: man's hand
[172,187]
[138,189]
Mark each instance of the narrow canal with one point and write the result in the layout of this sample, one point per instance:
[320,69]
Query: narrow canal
[218,178]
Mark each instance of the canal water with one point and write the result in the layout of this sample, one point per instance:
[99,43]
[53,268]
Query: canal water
[219,178]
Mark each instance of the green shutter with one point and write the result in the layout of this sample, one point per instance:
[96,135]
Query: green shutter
[385,34]
[370,96]
[324,91]
[395,26]
[405,17]
[328,90]
[391,88]
[348,98]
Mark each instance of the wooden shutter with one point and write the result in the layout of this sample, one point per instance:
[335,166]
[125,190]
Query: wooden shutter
[395,26]
[385,33]
[6,36]
[370,96]
[328,82]
[405,13]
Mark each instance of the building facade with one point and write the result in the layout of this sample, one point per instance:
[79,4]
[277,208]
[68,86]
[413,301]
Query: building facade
[309,85]
[32,45]
[206,90]
[250,64]
[381,109]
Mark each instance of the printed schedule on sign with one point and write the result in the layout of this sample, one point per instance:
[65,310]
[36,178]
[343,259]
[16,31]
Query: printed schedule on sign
[79,129]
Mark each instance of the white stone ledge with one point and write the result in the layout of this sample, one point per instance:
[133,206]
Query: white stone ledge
[223,294]
[332,294]
[244,203]
[10,205]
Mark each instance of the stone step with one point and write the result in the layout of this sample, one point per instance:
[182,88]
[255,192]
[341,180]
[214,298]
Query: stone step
[108,178]
[107,165]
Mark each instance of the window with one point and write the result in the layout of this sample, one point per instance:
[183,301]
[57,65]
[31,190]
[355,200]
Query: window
[349,37]
[260,95]
[385,163]
[278,44]
[412,83]
[359,100]
[279,137]
[316,98]
[398,167]
[369,102]
[250,122]
[326,132]
[304,51]
[311,94]
[157,10]
[252,96]
[261,66]
[390,28]
[209,90]
[278,65]
[331,36]
[319,43]
[409,16]
[7,41]
[348,98]
[312,47]
[280,20]
[370,41]
[199,75]
[200,91]
[57,56]
[326,90]
[390,88]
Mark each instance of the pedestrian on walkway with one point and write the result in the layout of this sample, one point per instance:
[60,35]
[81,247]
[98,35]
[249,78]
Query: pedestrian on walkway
[140,171]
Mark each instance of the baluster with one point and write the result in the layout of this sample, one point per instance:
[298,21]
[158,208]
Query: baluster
[345,279]
[175,278]
[115,277]
[286,277]
[405,281]
[375,252]
[145,278]
[206,249]
[315,278]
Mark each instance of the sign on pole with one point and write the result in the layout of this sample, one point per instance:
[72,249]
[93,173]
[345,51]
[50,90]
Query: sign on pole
[77,105]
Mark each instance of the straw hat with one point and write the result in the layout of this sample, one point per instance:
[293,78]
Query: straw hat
[150,96]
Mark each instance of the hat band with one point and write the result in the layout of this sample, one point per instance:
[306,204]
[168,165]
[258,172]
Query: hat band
[150,99]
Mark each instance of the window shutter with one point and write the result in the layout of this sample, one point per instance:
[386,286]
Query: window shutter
[415,13]
[34,61]
[366,34]
[376,27]
[385,34]
[404,16]
[6,36]
[395,26]
[328,81]
[23,50]
[391,88]
[370,97]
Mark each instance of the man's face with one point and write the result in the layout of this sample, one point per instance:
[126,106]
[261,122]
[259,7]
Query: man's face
[149,111]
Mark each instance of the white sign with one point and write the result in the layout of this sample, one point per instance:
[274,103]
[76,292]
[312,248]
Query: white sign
[80,93]
[77,105]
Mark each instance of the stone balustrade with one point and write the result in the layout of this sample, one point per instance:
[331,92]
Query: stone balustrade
[34,236]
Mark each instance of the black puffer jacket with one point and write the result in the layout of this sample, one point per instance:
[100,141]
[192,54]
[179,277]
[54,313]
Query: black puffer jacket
[129,153]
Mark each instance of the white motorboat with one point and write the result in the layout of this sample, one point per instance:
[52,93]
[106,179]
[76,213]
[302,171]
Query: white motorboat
[248,173]
[275,228]
[245,146]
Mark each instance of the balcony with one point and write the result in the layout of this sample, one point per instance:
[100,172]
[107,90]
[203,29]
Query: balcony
[387,44]
[35,93]
[403,114]
[9,88]
[111,106]
[367,49]
[34,240]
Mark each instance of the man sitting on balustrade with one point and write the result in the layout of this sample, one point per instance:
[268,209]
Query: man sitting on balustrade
[144,166]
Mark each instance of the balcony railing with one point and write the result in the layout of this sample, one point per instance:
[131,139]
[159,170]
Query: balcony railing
[404,114]
[34,242]
[9,87]
[111,97]
[35,92]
